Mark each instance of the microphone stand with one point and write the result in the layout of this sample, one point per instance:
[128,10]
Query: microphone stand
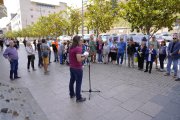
[90,89]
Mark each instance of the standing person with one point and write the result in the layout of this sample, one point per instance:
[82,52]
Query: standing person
[150,57]
[65,52]
[84,49]
[130,51]
[40,62]
[1,44]
[162,55]
[17,41]
[31,56]
[110,43]
[178,77]
[100,49]
[92,46]
[61,52]
[121,50]
[76,72]
[106,50]
[35,45]
[141,55]
[113,50]
[24,42]
[49,44]
[156,47]
[12,55]
[55,50]
[173,49]
[45,55]
[7,42]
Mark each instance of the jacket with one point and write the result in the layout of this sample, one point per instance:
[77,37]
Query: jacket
[153,55]
[175,50]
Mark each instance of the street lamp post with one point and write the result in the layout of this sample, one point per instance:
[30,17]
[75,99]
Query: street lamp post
[82,19]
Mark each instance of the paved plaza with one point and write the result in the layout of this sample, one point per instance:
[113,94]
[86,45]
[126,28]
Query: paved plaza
[126,93]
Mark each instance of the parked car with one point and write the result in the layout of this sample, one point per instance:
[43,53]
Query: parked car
[165,36]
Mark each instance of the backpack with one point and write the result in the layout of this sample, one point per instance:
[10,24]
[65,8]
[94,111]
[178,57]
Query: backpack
[45,51]
[45,54]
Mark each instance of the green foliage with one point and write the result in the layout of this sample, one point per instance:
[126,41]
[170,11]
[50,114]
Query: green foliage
[74,20]
[101,15]
[149,16]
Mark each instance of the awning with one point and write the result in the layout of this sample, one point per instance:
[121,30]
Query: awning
[3,10]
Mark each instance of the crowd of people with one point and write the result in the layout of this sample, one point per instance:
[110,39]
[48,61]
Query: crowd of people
[110,51]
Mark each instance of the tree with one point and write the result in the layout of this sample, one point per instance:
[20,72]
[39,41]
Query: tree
[149,16]
[74,20]
[101,15]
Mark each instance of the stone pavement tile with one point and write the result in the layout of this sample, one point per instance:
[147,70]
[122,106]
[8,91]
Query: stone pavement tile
[172,109]
[104,104]
[137,115]
[117,113]
[160,100]
[151,109]
[128,93]
[165,116]
[115,91]
[144,96]
[91,113]
[176,88]
[132,105]
[176,99]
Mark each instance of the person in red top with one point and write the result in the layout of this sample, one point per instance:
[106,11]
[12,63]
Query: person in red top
[76,72]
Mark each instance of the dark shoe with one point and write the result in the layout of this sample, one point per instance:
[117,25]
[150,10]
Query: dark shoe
[167,74]
[145,71]
[72,96]
[11,79]
[174,76]
[34,69]
[81,100]
[178,79]
[17,77]
[28,70]
[149,72]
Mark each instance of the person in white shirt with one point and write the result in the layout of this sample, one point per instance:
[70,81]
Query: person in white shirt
[31,56]
[150,57]
[106,50]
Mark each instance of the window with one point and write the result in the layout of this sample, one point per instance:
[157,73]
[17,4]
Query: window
[31,16]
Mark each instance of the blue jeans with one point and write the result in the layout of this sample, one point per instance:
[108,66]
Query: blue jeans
[56,56]
[175,65]
[120,55]
[100,57]
[40,63]
[14,68]
[61,58]
[75,75]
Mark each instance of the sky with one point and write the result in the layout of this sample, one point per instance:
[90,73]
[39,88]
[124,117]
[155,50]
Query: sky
[11,7]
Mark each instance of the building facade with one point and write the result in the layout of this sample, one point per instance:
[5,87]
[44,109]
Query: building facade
[3,11]
[29,11]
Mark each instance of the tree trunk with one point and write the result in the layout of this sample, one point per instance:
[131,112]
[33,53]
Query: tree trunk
[148,40]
